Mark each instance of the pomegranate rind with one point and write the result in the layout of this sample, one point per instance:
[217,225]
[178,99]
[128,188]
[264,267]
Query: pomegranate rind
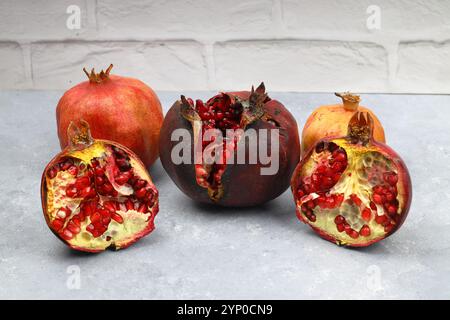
[97,149]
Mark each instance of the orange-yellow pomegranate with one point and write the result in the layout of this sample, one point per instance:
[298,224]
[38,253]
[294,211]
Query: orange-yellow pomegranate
[118,108]
[332,121]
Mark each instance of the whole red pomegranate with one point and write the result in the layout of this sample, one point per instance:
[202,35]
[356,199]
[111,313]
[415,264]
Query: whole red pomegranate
[332,121]
[119,109]
[352,190]
[97,194]
[220,177]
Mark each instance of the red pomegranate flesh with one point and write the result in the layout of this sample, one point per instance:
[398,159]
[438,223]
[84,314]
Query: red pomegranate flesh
[352,190]
[97,194]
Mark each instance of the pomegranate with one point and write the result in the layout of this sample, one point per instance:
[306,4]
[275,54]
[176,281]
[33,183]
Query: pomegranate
[119,109]
[96,194]
[332,121]
[225,180]
[352,190]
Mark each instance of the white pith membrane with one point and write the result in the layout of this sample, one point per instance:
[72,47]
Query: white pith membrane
[366,168]
[214,154]
[123,226]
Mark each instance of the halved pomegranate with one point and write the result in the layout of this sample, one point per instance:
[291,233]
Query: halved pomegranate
[221,178]
[96,194]
[352,190]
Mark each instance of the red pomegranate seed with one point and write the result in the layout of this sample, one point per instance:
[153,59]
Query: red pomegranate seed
[63,212]
[66,165]
[312,217]
[117,217]
[354,234]
[82,182]
[377,198]
[377,189]
[57,224]
[380,219]
[339,219]
[310,204]
[108,188]
[142,208]
[122,179]
[67,235]
[141,193]
[140,184]
[388,228]
[129,204]
[366,214]
[52,172]
[391,178]
[71,191]
[110,206]
[392,209]
[99,171]
[95,217]
[365,231]
[340,227]
[355,199]
[95,163]
[99,180]
[73,170]
[73,228]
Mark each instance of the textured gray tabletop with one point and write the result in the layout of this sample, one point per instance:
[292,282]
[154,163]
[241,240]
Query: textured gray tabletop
[200,253]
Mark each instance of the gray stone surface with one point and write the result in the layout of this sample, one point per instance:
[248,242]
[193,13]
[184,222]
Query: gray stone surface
[206,252]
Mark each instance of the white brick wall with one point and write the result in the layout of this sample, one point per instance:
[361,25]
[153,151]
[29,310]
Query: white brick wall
[292,45]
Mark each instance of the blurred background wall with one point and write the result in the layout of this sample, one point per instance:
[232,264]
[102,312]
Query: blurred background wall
[304,45]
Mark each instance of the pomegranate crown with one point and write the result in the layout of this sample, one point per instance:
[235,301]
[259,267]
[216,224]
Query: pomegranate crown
[360,128]
[98,77]
[350,101]
[79,134]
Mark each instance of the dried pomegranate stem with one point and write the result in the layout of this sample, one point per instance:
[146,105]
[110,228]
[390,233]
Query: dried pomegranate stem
[350,101]
[98,77]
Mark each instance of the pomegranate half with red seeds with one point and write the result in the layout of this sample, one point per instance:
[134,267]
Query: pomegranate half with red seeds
[226,182]
[352,190]
[96,194]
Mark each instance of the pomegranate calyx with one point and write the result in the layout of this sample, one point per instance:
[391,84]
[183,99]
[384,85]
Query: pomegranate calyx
[349,100]
[79,135]
[360,128]
[188,110]
[253,107]
[98,77]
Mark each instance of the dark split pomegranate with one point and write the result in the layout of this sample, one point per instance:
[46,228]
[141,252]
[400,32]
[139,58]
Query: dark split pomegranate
[118,108]
[352,190]
[96,194]
[222,181]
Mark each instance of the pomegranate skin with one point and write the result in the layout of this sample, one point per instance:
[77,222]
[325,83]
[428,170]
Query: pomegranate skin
[332,121]
[118,108]
[355,149]
[242,183]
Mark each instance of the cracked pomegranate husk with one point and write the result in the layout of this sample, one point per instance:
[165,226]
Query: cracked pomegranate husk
[97,194]
[352,190]
[332,121]
[227,181]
